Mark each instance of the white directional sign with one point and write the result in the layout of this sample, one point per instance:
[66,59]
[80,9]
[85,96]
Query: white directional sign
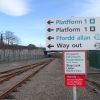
[74,25]
[74,62]
[71,41]
[74,33]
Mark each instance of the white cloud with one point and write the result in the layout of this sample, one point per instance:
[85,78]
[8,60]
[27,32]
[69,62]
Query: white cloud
[92,8]
[14,7]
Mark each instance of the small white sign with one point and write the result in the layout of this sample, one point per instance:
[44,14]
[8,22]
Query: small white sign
[74,62]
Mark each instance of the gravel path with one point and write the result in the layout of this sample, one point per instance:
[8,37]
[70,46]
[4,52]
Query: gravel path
[48,84]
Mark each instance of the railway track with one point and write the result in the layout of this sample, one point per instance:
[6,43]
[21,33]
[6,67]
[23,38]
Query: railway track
[93,73]
[94,85]
[10,80]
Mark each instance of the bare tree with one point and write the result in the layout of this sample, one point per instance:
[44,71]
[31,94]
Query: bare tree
[10,38]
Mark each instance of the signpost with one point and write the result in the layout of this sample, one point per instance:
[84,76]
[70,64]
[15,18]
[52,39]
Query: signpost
[74,62]
[75,69]
[73,33]
[73,41]
[75,80]
[69,35]
[73,25]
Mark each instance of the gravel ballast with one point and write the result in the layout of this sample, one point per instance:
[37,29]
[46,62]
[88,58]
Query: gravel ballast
[48,84]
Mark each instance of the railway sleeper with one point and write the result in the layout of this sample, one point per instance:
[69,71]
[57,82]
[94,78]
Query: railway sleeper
[9,97]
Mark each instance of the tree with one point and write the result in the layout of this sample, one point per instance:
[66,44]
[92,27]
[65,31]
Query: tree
[32,45]
[10,38]
[1,40]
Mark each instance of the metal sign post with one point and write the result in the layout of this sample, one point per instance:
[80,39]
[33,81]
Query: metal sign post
[74,65]
[74,93]
[71,35]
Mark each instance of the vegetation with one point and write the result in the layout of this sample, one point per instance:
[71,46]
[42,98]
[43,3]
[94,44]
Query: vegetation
[9,38]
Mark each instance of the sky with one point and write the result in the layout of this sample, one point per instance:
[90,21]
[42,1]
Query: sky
[27,18]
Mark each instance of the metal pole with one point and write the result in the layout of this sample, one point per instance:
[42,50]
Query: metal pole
[74,93]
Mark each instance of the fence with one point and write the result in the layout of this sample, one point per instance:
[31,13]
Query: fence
[20,53]
[94,58]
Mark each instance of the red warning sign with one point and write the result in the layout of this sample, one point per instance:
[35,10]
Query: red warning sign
[75,80]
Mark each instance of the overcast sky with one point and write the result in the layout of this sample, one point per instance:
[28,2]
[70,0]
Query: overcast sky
[27,17]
